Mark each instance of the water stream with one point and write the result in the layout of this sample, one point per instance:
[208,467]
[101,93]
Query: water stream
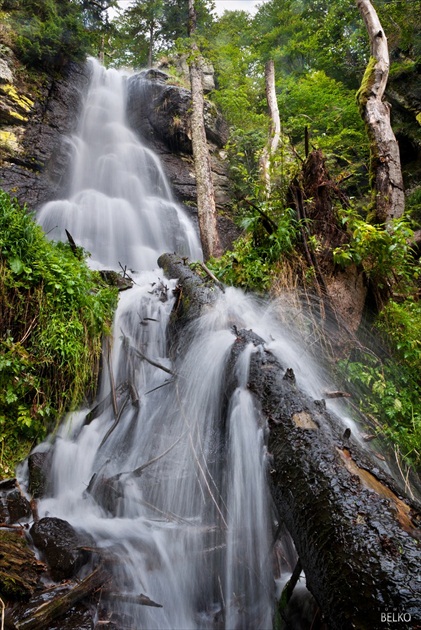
[192,526]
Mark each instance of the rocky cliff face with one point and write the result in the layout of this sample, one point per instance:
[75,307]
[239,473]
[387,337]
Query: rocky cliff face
[160,114]
[35,117]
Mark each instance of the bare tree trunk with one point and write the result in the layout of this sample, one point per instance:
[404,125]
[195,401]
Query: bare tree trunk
[275,125]
[384,150]
[151,40]
[205,192]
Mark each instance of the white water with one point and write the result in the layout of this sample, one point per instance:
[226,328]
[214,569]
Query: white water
[120,207]
[193,529]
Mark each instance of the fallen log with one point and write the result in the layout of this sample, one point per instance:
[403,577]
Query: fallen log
[61,601]
[355,531]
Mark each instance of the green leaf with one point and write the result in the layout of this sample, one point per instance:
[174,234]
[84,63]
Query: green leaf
[16,265]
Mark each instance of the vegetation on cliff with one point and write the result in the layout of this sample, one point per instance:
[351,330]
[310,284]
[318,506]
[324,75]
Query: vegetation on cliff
[54,313]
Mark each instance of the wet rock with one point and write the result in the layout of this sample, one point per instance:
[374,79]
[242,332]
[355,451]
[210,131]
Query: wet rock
[160,114]
[6,74]
[158,109]
[115,279]
[18,506]
[61,546]
[14,507]
[38,467]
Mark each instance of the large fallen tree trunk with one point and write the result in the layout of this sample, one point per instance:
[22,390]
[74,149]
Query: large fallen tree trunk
[355,532]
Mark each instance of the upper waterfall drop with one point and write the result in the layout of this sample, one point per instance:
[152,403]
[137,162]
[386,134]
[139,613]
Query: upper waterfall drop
[120,207]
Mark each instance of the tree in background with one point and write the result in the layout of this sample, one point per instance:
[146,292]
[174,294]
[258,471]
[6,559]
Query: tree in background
[389,200]
[48,33]
[149,28]
[206,209]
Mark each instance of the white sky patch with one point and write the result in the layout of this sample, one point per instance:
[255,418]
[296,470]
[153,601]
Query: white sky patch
[221,5]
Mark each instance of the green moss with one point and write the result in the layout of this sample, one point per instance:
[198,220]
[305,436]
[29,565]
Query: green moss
[8,140]
[418,118]
[363,94]
[24,102]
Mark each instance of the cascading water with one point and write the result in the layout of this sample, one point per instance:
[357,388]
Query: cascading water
[120,206]
[167,471]
[169,477]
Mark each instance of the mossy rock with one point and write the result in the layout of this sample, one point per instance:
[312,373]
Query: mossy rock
[19,568]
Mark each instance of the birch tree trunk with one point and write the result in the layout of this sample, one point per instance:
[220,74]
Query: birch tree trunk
[385,163]
[206,209]
[275,125]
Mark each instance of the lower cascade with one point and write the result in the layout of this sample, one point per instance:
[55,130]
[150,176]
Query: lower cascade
[166,474]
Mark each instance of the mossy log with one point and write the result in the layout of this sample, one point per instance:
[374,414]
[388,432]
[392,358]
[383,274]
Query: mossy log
[19,568]
[354,530]
[60,601]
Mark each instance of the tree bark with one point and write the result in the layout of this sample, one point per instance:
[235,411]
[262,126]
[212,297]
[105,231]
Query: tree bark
[355,532]
[385,164]
[206,209]
[274,128]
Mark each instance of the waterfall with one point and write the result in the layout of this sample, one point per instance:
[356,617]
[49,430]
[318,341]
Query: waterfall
[169,476]
[120,206]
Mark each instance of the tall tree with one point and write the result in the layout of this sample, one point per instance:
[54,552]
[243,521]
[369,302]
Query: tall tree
[384,150]
[274,128]
[206,209]
[144,20]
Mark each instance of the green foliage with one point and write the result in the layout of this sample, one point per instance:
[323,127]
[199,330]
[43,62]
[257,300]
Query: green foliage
[389,389]
[251,264]
[54,312]
[238,72]
[413,205]
[384,253]
[328,109]
[390,395]
[149,28]
[48,33]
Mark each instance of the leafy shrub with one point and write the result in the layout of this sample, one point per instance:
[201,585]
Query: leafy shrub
[390,395]
[54,312]
[384,253]
[252,262]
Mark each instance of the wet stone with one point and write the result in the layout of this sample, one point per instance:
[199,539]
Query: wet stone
[61,546]
[38,467]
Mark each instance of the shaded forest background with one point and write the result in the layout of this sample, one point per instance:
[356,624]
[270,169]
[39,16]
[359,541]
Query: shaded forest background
[320,51]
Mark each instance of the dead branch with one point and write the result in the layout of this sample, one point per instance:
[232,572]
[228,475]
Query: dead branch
[138,471]
[336,394]
[112,383]
[117,420]
[212,276]
[151,361]
[142,600]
